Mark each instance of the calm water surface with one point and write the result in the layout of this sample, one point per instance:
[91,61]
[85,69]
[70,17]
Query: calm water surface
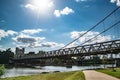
[39,69]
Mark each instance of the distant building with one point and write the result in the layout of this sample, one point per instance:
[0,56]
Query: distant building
[19,52]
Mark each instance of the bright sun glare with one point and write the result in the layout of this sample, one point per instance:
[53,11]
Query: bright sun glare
[41,5]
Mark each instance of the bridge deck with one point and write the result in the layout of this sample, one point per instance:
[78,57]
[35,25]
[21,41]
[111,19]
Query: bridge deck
[85,50]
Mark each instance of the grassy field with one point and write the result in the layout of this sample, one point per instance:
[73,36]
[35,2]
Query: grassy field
[111,72]
[73,75]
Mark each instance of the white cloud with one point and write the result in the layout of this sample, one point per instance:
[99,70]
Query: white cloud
[22,45]
[4,33]
[50,4]
[32,31]
[1,48]
[112,1]
[26,36]
[11,32]
[89,35]
[35,42]
[80,0]
[57,13]
[117,2]
[23,38]
[39,5]
[26,39]
[65,11]
[30,6]
[51,44]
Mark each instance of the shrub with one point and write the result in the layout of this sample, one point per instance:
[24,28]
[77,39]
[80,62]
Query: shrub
[2,69]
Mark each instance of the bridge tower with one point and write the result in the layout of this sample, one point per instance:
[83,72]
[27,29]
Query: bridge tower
[19,52]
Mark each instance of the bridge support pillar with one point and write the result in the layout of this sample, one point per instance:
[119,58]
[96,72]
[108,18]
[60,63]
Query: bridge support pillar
[112,62]
[69,61]
[117,63]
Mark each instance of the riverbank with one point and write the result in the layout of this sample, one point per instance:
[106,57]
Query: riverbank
[72,75]
[24,71]
[115,73]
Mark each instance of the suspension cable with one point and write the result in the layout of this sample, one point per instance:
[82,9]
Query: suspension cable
[101,32]
[92,27]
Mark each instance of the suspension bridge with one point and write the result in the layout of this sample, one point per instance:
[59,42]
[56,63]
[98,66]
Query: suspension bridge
[98,44]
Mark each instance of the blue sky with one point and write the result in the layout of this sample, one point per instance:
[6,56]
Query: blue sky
[49,24]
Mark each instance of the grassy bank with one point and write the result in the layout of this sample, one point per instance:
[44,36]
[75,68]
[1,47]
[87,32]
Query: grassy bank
[115,73]
[73,75]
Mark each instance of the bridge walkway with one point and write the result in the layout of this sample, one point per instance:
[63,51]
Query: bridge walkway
[94,75]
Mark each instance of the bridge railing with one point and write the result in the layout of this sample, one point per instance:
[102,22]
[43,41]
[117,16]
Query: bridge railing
[91,48]
[97,48]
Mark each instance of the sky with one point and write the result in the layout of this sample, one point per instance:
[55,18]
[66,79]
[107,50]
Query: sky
[50,24]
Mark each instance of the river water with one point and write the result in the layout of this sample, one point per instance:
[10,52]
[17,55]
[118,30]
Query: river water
[13,72]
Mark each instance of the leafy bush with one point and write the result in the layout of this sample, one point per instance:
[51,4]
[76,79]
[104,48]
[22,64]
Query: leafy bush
[2,69]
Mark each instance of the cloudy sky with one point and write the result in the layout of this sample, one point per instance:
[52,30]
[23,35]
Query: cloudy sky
[50,24]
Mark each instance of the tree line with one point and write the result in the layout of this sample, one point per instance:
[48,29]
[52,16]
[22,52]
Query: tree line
[5,56]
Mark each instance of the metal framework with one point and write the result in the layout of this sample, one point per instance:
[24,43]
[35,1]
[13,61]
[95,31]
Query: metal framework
[109,47]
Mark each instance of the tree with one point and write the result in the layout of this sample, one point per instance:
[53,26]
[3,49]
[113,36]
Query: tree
[5,56]
[8,53]
[96,59]
[41,52]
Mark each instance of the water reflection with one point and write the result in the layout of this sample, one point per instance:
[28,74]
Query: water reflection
[39,69]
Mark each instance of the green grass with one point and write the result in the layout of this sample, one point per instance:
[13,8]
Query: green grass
[73,75]
[111,72]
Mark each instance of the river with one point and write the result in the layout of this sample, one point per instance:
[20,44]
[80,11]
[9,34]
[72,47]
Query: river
[13,72]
